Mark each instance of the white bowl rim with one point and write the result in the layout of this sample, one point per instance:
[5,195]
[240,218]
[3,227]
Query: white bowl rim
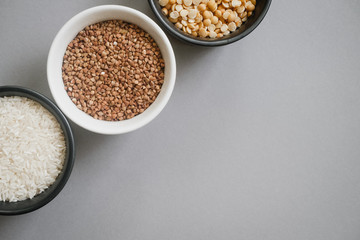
[64,102]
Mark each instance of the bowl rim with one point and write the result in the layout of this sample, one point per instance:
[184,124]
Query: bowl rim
[200,42]
[111,127]
[70,143]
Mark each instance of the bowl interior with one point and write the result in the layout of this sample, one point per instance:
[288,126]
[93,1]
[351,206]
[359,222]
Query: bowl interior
[12,208]
[68,33]
[261,9]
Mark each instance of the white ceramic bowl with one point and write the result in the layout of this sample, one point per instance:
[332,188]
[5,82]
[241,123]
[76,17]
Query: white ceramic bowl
[68,32]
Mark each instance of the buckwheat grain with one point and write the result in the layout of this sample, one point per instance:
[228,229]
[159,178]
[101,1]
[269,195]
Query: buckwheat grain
[113,70]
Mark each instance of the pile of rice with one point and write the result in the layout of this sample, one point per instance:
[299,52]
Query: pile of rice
[32,148]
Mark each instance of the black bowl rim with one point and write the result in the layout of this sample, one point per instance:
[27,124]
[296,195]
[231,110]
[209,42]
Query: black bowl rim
[213,43]
[48,104]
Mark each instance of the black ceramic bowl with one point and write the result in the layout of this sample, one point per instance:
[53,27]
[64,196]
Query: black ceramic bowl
[262,6]
[28,205]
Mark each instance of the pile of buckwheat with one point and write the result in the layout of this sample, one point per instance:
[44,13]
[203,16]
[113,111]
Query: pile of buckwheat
[113,70]
[208,18]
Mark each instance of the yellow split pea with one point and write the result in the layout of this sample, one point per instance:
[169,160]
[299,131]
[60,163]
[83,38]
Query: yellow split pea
[208,18]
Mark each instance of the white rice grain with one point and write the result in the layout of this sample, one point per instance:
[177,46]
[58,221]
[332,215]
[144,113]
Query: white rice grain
[32,148]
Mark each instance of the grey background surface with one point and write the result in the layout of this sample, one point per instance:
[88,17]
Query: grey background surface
[260,139]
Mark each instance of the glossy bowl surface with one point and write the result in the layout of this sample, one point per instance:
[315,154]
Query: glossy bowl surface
[28,205]
[69,31]
[262,7]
